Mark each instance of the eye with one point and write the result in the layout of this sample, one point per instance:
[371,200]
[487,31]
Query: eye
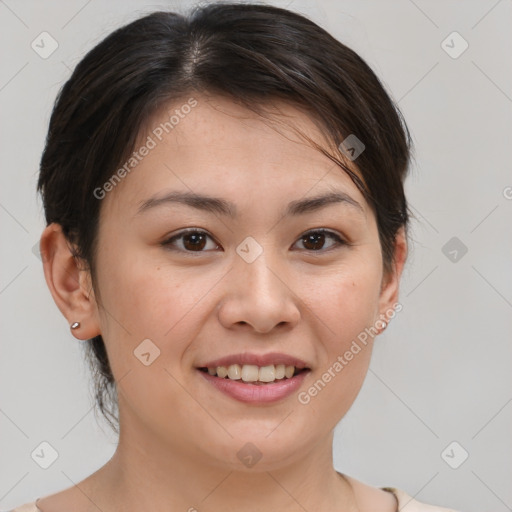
[191,240]
[315,240]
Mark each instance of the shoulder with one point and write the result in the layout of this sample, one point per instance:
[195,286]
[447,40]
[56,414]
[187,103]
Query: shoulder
[413,505]
[27,507]
[375,498]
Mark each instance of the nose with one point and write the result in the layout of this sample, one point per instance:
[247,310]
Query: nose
[258,295]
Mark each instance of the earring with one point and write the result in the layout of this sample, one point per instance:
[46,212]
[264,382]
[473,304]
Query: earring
[75,325]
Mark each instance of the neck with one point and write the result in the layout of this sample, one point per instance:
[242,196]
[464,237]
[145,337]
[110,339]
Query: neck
[149,476]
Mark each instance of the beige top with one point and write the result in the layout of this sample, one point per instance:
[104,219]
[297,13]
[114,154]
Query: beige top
[405,503]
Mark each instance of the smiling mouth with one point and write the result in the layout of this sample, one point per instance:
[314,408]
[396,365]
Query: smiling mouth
[255,375]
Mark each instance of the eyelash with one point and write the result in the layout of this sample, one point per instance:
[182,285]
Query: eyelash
[339,242]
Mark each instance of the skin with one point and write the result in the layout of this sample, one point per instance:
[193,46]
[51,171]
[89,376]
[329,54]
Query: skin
[180,436]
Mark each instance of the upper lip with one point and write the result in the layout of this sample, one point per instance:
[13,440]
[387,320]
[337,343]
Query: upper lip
[256,359]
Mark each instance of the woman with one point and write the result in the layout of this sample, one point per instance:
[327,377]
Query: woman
[227,228]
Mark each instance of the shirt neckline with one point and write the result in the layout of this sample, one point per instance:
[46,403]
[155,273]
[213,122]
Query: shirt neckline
[392,490]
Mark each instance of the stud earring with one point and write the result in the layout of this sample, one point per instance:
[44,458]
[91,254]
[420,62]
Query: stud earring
[384,325]
[75,325]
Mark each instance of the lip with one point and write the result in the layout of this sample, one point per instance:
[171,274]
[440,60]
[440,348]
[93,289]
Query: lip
[254,393]
[256,359]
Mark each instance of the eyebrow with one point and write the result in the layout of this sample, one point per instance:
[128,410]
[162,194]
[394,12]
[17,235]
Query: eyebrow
[311,204]
[220,206]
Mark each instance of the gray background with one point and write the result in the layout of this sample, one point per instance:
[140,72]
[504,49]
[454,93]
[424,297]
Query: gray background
[441,371]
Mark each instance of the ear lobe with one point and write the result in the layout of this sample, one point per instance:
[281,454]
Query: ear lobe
[69,284]
[391,283]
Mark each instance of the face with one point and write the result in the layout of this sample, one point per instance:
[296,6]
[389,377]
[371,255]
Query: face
[261,269]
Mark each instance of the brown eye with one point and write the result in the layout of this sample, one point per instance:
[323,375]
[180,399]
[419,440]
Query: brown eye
[194,241]
[190,241]
[315,240]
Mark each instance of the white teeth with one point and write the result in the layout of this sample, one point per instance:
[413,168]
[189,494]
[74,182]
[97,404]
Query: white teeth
[280,371]
[253,373]
[222,371]
[250,373]
[268,373]
[235,372]
[288,372]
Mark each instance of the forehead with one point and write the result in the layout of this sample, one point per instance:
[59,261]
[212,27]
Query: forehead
[209,144]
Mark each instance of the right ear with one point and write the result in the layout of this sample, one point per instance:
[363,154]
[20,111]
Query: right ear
[70,285]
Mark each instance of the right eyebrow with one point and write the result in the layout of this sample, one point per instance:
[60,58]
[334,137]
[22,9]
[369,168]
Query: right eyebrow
[198,201]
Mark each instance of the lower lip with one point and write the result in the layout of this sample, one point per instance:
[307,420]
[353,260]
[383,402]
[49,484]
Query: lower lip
[256,393]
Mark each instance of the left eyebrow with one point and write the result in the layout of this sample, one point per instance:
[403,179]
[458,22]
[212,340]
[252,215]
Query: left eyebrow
[315,203]
[223,207]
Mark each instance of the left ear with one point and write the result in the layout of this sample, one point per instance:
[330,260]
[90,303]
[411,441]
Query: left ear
[391,281]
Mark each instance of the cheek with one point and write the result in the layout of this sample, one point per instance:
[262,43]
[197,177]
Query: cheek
[346,301]
[142,302]
[148,298]
[346,306]
[152,301]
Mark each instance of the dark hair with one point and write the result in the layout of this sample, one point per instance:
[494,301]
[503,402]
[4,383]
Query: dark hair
[250,53]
